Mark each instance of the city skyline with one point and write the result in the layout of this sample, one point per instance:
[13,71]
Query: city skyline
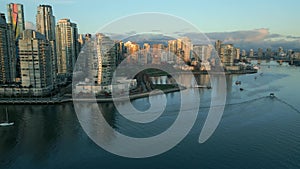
[29,57]
[61,43]
[207,16]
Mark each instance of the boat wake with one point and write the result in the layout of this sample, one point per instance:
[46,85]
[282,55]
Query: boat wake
[257,99]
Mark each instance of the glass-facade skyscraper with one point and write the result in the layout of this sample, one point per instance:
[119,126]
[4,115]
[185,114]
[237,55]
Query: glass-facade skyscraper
[7,55]
[16,18]
[45,24]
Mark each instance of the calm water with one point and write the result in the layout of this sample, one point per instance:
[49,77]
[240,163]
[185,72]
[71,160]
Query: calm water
[255,131]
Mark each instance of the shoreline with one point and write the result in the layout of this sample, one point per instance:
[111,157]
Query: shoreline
[225,72]
[37,101]
[69,97]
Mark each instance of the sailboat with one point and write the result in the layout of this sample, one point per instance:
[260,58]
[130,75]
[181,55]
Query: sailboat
[6,123]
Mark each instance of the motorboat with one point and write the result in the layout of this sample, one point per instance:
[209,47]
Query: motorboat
[238,82]
[202,86]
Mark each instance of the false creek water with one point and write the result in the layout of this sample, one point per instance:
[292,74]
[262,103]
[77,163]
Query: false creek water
[256,131]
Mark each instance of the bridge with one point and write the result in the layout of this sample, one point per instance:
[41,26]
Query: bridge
[280,60]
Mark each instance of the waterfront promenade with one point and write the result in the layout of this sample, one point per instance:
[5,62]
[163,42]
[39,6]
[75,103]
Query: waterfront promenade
[68,98]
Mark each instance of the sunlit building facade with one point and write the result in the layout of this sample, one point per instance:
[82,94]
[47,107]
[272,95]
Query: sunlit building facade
[45,24]
[106,59]
[16,18]
[36,63]
[66,46]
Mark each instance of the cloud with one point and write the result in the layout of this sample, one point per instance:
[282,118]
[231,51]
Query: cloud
[30,25]
[293,37]
[274,36]
[115,36]
[249,39]
[244,39]
[237,36]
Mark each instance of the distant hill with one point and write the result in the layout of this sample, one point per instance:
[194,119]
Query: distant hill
[149,38]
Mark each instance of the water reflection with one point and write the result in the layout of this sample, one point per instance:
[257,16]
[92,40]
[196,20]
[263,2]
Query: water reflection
[186,80]
[90,116]
[37,131]
[161,80]
[39,126]
[202,80]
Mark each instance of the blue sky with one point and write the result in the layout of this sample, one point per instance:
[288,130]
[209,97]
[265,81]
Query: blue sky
[280,17]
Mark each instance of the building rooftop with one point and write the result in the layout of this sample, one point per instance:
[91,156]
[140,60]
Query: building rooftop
[2,19]
[29,34]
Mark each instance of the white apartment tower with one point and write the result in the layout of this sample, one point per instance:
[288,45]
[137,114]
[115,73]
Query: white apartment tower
[66,46]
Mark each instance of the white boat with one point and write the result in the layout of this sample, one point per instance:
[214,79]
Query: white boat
[6,122]
[256,67]
[202,86]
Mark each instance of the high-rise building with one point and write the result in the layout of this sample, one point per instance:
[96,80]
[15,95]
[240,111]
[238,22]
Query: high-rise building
[182,48]
[202,52]
[81,41]
[106,52]
[244,53]
[237,54]
[186,47]
[218,46]
[66,46]
[172,53]
[269,52]
[157,53]
[251,53]
[45,21]
[260,52]
[132,49]
[36,62]
[227,54]
[16,18]
[88,62]
[290,52]
[145,54]
[281,52]
[280,49]
[16,23]
[7,53]
[120,52]
[45,24]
